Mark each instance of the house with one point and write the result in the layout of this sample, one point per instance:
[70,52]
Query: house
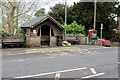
[43,31]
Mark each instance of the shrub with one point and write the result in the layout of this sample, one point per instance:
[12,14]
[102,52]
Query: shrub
[20,31]
[115,36]
[4,34]
[74,28]
[19,34]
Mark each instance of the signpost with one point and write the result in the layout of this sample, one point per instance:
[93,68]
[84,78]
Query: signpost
[101,32]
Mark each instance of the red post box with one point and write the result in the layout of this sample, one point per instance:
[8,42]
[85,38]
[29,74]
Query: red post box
[91,32]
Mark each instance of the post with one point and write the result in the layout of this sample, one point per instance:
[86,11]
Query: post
[50,31]
[101,32]
[94,14]
[65,19]
[50,37]
[28,37]
[40,36]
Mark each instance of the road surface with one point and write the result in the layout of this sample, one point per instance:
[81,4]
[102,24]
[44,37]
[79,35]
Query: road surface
[62,62]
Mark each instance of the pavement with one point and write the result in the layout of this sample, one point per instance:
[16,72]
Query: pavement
[23,53]
[78,61]
[13,51]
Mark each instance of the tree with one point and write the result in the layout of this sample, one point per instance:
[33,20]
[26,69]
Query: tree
[10,8]
[74,28]
[118,10]
[40,12]
[57,12]
[83,13]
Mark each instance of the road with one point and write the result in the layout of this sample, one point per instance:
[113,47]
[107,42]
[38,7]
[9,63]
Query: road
[64,62]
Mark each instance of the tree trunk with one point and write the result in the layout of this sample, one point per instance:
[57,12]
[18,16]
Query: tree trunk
[11,23]
[10,15]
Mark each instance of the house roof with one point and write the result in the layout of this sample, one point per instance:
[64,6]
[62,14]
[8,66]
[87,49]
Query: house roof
[39,20]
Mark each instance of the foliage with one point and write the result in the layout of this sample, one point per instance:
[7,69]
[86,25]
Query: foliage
[40,12]
[11,10]
[4,34]
[57,12]
[16,36]
[83,13]
[115,36]
[19,34]
[20,31]
[118,10]
[74,28]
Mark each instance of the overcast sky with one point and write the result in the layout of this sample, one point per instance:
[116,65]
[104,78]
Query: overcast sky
[53,2]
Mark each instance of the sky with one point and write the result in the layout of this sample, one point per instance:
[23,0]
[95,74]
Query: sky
[53,2]
[49,3]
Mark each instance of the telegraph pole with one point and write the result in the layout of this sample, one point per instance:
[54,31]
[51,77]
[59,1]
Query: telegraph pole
[94,14]
[65,18]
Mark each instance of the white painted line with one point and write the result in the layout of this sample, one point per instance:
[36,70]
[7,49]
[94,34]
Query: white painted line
[93,71]
[62,71]
[19,60]
[50,57]
[118,62]
[57,76]
[88,52]
[86,49]
[93,75]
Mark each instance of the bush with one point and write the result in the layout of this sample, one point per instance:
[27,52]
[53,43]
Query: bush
[115,36]
[4,34]
[74,28]
[19,34]
[20,31]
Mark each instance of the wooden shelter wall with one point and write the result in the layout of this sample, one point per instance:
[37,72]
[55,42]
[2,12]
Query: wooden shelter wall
[36,40]
[56,29]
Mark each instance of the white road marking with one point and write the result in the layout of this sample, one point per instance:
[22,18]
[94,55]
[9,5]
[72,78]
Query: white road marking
[118,62]
[62,71]
[57,76]
[88,52]
[86,49]
[50,57]
[93,75]
[93,71]
[19,60]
